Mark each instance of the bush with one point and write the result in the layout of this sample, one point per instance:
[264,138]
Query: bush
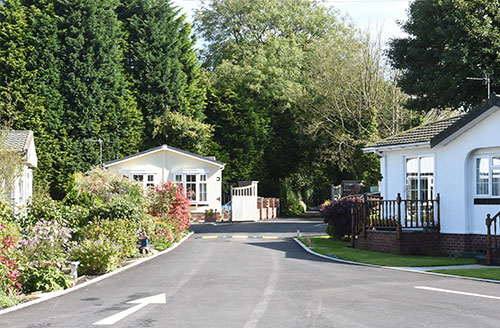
[116,208]
[96,256]
[44,248]
[337,214]
[6,210]
[9,259]
[330,230]
[170,205]
[162,236]
[44,277]
[120,232]
[45,242]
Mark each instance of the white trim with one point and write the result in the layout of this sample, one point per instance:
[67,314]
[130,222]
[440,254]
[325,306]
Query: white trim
[491,167]
[191,171]
[468,126]
[165,148]
[394,147]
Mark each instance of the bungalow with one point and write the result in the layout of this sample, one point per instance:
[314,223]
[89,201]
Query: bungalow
[200,174]
[456,158]
[22,143]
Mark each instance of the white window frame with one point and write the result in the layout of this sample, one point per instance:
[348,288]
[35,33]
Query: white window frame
[198,174]
[145,182]
[491,167]
[419,189]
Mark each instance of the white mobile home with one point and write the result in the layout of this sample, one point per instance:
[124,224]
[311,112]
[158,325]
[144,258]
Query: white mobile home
[458,158]
[202,175]
[22,143]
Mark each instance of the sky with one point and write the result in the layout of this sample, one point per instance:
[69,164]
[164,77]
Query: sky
[375,15]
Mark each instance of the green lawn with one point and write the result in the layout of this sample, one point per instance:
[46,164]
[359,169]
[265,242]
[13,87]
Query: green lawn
[326,246]
[484,273]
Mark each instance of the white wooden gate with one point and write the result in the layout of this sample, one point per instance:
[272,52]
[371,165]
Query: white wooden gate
[244,203]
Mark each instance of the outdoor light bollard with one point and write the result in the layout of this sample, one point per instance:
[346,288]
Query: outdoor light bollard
[299,234]
[308,241]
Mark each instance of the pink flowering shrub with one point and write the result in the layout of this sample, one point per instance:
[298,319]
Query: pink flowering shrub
[169,204]
[9,264]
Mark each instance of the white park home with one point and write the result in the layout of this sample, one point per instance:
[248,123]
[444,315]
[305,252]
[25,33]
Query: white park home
[22,143]
[200,174]
[458,158]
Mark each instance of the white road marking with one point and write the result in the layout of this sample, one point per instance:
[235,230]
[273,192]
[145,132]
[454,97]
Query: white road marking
[456,292]
[142,302]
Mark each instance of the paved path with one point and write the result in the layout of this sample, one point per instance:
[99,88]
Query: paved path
[451,267]
[256,282]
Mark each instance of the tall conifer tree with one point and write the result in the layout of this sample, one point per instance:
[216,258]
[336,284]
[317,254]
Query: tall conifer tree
[160,61]
[98,103]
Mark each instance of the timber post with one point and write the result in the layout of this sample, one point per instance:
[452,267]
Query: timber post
[398,228]
[438,201]
[488,248]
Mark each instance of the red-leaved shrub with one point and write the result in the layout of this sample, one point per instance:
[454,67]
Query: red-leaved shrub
[170,204]
[9,273]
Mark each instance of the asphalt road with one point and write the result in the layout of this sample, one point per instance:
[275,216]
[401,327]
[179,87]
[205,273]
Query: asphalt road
[257,282]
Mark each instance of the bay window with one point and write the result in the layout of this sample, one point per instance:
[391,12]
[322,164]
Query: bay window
[487,169]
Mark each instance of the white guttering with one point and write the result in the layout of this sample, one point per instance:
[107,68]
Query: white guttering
[377,150]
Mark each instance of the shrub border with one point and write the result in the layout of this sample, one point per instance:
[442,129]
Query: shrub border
[50,295]
[333,259]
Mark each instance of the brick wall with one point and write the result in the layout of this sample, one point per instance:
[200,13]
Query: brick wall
[420,243]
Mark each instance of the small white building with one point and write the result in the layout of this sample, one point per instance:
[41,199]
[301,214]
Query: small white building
[22,143]
[200,174]
[457,157]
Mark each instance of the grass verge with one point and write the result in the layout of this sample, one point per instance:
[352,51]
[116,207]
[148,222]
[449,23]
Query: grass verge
[483,273]
[327,246]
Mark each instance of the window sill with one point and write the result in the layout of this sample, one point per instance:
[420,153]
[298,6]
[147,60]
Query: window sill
[487,201]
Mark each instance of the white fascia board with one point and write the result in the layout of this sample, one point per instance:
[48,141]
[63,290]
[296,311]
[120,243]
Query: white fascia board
[469,125]
[416,145]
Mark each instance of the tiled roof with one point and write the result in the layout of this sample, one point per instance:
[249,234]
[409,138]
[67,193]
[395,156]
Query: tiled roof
[435,132]
[17,140]
[422,133]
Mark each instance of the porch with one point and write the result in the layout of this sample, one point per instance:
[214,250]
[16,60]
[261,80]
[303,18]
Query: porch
[400,226]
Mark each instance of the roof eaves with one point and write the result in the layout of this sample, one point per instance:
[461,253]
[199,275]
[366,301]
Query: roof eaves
[396,146]
[466,119]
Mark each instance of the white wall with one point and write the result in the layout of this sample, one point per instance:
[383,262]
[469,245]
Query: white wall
[164,164]
[454,175]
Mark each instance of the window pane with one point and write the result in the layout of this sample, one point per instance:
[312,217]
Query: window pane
[191,186]
[138,177]
[178,178]
[495,173]
[203,177]
[203,192]
[496,161]
[151,178]
[482,176]
[412,178]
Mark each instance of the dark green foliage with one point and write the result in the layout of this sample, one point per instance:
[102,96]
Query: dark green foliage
[447,42]
[337,213]
[97,101]
[44,277]
[240,132]
[160,62]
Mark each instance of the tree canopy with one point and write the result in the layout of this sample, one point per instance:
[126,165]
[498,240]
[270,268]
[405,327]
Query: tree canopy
[448,41]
